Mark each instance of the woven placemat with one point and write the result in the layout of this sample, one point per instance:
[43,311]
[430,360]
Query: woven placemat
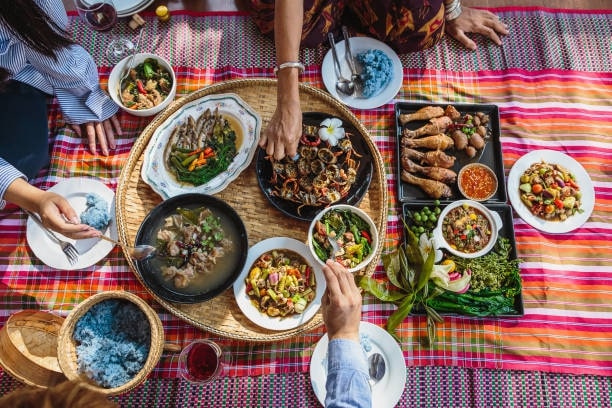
[135,199]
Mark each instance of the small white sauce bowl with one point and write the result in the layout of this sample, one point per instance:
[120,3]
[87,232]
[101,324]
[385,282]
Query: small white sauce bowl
[492,217]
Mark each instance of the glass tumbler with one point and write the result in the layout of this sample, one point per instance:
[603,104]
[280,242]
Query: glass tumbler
[201,361]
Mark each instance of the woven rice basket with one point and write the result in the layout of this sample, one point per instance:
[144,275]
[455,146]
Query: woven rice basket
[134,200]
[28,348]
[67,354]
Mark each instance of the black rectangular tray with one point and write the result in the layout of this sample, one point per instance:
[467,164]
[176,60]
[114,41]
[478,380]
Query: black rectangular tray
[507,231]
[490,155]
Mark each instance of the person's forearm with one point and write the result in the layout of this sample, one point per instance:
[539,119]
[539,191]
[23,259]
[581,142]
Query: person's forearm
[23,194]
[288,20]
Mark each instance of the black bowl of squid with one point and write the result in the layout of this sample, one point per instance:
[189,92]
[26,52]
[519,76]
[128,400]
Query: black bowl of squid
[202,246]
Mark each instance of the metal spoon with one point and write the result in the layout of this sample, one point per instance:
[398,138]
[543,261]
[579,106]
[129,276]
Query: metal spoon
[129,67]
[139,252]
[377,368]
[355,77]
[343,85]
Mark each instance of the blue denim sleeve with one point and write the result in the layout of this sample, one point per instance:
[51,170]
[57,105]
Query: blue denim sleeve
[347,376]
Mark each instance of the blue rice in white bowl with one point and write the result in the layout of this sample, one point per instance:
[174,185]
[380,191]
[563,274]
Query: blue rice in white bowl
[376,71]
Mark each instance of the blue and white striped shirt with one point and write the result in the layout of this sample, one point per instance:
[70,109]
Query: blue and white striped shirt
[73,79]
[347,375]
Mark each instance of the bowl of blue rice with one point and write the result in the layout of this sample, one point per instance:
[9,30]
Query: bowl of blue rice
[111,342]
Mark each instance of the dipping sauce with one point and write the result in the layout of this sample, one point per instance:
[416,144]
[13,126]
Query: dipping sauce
[477,182]
[466,229]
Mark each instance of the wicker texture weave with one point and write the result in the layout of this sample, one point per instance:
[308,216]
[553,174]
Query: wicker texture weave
[134,200]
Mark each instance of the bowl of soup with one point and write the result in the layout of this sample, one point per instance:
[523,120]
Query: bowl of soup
[467,229]
[149,87]
[202,247]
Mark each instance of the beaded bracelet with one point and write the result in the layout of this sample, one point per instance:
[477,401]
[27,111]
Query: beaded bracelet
[290,64]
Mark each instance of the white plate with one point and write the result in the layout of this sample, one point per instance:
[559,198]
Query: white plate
[386,392]
[244,302]
[582,179]
[91,250]
[359,45]
[126,8]
[154,171]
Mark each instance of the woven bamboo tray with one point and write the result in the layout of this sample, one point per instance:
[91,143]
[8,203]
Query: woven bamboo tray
[134,200]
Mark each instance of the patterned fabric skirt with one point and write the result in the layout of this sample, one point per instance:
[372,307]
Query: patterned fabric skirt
[405,25]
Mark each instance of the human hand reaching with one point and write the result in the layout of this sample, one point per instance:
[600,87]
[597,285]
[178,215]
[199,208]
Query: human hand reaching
[341,303]
[476,21]
[100,132]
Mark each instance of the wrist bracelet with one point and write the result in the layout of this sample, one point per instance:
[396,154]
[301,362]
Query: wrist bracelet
[290,64]
[453,10]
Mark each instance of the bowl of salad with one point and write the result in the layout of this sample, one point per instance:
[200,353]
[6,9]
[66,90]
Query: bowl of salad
[149,87]
[347,228]
[468,229]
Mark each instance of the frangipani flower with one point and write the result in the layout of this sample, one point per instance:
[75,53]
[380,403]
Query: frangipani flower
[426,245]
[331,131]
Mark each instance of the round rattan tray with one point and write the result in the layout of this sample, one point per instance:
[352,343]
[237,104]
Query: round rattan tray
[134,200]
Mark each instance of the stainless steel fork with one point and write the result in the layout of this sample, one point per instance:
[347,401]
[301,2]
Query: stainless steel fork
[67,248]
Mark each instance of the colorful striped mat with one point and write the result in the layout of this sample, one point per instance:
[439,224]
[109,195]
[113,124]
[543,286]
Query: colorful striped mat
[552,81]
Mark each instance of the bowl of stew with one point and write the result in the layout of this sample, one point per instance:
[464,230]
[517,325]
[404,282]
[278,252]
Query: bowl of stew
[477,181]
[149,88]
[468,229]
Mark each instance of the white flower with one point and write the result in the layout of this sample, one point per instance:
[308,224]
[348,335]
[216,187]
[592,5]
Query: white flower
[331,131]
[426,245]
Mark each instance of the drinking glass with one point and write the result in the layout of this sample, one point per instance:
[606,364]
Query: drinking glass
[101,15]
[201,361]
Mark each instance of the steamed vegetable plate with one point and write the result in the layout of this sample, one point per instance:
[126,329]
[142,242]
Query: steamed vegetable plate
[200,149]
[550,191]
[349,230]
[281,283]
[147,85]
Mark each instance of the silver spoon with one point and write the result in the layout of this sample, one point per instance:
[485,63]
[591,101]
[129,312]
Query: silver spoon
[129,67]
[139,252]
[376,368]
[343,85]
[355,77]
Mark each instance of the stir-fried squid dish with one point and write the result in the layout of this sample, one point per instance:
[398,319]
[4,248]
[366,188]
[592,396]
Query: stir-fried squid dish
[351,233]
[191,241]
[200,149]
[281,283]
[550,191]
[147,85]
[324,172]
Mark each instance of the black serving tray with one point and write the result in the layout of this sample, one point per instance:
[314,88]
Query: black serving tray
[507,231]
[490,155]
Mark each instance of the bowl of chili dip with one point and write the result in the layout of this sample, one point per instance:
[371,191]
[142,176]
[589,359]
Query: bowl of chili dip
[477,181]
[467,229]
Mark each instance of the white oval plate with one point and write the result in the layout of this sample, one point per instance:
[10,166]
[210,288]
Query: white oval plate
[126,8]
[386,392]
[261,319]
[91,250]
[154,171]
[582,179]
[359,45]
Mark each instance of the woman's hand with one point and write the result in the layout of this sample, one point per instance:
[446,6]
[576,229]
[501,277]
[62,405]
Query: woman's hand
[341,303]
[476,21]
[282,135]
[102,132]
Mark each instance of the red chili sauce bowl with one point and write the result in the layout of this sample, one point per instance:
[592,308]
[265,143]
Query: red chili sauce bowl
[477,182]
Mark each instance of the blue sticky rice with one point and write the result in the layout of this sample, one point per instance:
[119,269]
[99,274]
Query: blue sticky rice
[377,71]
[113,340]
[96,213]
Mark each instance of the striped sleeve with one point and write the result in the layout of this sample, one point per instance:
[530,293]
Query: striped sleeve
[8,174]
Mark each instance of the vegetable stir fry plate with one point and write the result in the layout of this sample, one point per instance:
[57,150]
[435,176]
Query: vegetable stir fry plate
[581,179]
[164,179]
[252,312]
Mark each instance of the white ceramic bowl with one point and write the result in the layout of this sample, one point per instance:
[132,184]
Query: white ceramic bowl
[345,207]
[115,78]
[492,217]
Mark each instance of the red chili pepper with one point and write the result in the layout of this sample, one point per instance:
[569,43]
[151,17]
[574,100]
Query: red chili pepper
[366,236]
[141,87]
[572,184]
